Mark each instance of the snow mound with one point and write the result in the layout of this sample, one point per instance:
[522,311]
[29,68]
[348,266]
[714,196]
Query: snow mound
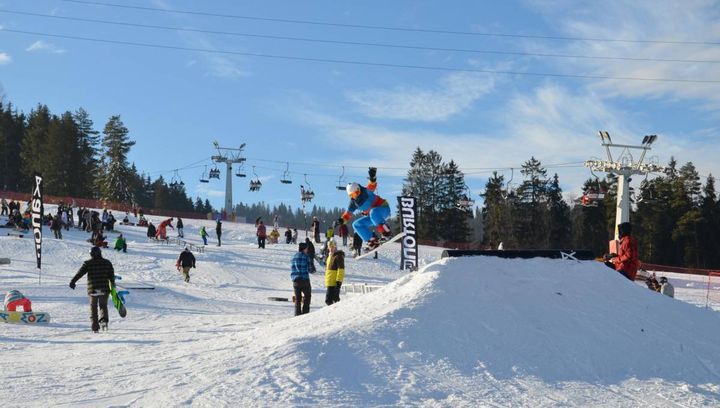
[464,330]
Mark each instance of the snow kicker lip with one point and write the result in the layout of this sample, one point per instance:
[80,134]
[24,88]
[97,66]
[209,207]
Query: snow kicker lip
[578,254]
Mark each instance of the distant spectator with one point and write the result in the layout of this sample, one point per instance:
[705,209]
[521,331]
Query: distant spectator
[666,288]
[288,235]
[203,235]
[151,230]
[218,230]
[179,226]
[261,233]
[274,236]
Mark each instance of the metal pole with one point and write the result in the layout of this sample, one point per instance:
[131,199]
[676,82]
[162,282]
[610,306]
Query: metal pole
[228,188]
[622,213]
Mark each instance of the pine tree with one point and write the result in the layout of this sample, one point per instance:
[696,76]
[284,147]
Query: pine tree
[115,181]
[454,226]
[559,216]
[88,139]
[530,225]
[33,143]
[12,130]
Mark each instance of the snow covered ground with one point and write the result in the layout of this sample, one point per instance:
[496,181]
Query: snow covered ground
[470,332]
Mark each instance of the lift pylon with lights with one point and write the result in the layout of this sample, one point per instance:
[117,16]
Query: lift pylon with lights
[228,156]
[624,165]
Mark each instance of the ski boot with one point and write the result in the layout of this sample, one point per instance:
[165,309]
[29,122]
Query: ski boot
[103,327]
[385,232]
[372,244]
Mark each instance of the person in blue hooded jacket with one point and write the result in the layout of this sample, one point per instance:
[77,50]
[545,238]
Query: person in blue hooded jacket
[374,208]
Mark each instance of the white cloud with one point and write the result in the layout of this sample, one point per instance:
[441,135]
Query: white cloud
[40,45]
[216,65]
[664,20]
[455,93]
[5,58]
[551,123]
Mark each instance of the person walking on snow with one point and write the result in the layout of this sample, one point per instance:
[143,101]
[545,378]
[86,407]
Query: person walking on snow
[299,274]
[334,273]
[179,226]
[376,210]
[218,230]
[203,235]
[261,233]
[99,272]
[186,260]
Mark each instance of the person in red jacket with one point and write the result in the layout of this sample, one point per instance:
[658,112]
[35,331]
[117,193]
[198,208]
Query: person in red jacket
[627,259]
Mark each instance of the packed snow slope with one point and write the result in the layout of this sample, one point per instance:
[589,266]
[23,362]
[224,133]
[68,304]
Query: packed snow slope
[475,331]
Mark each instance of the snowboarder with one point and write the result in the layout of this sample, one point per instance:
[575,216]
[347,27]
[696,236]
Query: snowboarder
[375,208]
[299,274]
[99,271]
[120,243]
[151,230]
[15,298]
[162,229]
[334,273]
[186,260]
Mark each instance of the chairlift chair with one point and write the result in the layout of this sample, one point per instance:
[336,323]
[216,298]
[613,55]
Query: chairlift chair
[203,176]
[465,202]
[240,172]
[306,195]
[255,184]
[592,196]
[286,175]
[341,180]
[215,173]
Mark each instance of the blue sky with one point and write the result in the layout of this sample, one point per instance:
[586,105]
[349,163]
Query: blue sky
[320,116]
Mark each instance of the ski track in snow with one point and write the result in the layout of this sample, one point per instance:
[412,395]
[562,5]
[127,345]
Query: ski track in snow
[461,332]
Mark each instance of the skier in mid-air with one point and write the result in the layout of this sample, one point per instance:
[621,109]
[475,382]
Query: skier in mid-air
[376,210]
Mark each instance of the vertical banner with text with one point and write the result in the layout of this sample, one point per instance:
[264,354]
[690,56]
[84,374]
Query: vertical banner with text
[36,206]
[409,244]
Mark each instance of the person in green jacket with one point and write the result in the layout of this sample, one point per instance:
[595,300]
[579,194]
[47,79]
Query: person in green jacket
[120,243]
[203,235]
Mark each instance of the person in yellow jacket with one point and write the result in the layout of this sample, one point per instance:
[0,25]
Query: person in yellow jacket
[334,273]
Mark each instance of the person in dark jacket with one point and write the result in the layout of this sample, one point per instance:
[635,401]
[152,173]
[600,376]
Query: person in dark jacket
[179,227]
[218,230]
[288,235]
[299,274]
[311,254]
[151,231]
[186,260]
[357,244]
[100,274]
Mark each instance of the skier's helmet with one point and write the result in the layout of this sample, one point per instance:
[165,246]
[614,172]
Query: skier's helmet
[353,189]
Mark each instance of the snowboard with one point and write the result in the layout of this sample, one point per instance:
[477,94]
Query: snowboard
[4,261]
[118,299]
[372,251]
[24,317]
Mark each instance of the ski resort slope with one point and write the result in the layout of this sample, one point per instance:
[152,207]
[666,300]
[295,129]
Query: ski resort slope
[475,331]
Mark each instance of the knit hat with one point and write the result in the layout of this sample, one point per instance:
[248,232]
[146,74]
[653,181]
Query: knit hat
[302,246]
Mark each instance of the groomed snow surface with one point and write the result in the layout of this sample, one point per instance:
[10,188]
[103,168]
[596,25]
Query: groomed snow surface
[461,332]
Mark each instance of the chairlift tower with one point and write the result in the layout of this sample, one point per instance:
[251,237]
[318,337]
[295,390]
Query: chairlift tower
[228,155]
[624,165]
